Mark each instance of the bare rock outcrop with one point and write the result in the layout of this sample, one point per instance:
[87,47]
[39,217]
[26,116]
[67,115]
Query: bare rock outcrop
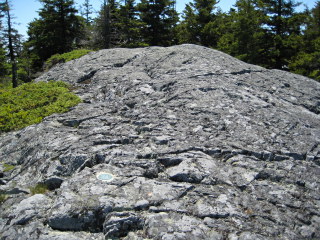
[182,142]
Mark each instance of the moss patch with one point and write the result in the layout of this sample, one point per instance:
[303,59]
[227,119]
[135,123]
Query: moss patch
[31,102]
[40,188]
[3,197]
[7,167]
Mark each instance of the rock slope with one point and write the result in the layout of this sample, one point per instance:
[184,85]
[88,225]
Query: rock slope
[182,142]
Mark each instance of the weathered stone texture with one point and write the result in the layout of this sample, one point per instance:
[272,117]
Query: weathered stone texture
[200,146]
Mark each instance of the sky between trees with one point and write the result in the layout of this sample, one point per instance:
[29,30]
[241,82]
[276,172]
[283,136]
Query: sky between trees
[26,10]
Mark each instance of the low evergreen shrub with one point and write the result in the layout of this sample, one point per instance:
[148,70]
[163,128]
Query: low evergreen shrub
[65,57]
[29,103]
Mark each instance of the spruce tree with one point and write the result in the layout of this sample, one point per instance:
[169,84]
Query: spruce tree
[249,32]
[57,30]
[12,41]
[86,11]
[188,32]
[3,58]
[283,27]
[106,26]
[130,26]
[160,19]
[307,62]
[3,64]
[244,35]
[198,20]
[25,61]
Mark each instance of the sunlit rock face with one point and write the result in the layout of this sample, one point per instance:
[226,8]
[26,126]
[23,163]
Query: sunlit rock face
[182,142]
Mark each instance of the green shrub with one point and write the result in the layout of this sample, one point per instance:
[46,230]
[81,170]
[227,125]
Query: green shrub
[31,102]
[40,188]
[65,57]
[5,83]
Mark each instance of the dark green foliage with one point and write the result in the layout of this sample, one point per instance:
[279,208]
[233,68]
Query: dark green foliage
[25,60]
[307,61]
[242,34]
[198,23]
[308,64]
[249,34]
[4,66]
[30,102]
[118,26]
[187,31]
[106,26]
[11,40]
[130,26]
[65,57]
[283,26]
[160,19]
[58,30]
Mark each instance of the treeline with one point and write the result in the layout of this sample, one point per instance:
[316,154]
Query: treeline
[270,33]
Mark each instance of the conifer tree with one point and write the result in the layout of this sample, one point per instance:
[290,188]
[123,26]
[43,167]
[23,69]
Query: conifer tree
[57,30]
[198,20]
[130,26]
[160,19]
[243,35]
[25,61]
[106,29]
[3,64]
[283,26]
[86,11]
[187,29]
[11,41]
[307,62]
[3,58]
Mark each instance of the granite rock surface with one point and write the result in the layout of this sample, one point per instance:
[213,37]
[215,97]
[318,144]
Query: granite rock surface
[182,142]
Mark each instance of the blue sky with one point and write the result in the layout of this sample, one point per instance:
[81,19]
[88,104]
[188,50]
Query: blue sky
[25,11]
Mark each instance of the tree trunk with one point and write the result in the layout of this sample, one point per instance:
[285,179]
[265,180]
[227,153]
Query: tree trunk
[106,20]
[11,49]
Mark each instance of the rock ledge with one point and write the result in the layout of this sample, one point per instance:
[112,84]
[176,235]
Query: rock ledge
[198,145]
